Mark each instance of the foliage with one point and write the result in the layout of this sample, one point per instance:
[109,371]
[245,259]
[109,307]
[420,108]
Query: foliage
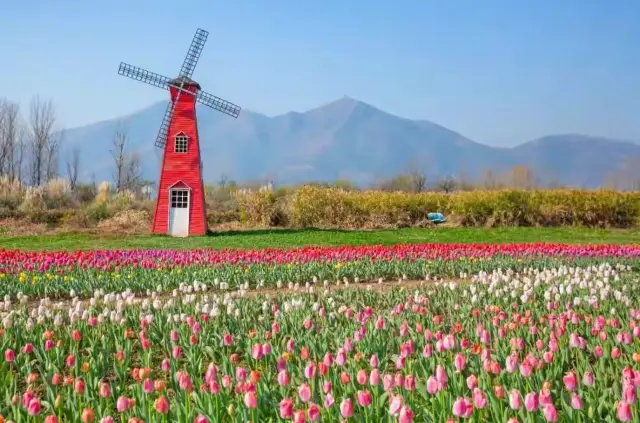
[149,269]
[330,207]
[556,345]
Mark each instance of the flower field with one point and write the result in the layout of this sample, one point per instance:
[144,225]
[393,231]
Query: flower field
[56,274]
[514,333]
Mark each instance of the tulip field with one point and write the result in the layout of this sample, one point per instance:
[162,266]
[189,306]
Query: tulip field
[391,334]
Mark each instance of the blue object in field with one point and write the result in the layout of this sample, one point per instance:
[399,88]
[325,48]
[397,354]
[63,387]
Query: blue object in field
[436,217]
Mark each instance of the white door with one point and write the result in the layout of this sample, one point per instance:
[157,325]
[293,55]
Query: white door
[179,212]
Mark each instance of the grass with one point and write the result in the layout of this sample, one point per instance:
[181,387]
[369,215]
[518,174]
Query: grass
[288,238]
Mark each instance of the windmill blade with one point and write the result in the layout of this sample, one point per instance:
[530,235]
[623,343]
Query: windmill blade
[144,75]
[163,132]
[194,52]
[218,104]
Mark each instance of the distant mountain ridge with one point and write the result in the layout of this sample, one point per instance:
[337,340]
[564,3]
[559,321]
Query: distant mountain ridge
[344,139]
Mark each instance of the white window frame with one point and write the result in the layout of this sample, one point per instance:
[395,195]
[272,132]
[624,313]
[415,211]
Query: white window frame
[183,146]
[179,198]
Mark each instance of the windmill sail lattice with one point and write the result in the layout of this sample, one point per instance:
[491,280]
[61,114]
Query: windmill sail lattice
[186,71]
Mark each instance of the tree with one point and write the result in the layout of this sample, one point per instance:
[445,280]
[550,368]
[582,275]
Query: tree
[418,181]
[132,178]
[522,177]
[43,142]
[128,173]
[73,166]
[11,140]
[447,184]
[118,153]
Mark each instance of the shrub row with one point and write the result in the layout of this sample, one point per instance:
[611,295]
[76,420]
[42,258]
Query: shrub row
[333,207]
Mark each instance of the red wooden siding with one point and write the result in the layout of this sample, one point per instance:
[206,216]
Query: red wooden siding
[183,167]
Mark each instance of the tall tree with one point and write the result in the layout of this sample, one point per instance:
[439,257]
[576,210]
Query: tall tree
[73,167]
[43,143]
[11,139]
[128,169]
[119,158]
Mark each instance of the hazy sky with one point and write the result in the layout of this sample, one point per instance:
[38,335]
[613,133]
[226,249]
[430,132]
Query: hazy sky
[498,71]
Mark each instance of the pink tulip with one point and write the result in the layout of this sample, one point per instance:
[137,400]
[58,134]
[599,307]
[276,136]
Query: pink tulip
[147,386]
[374,362]
[346,408]
[161,405]
[283,378]
[256,352]
[299,416]
[286,408]
[459,362]
[472,382]
[406,415]
[462,407]
[251,399]
[34,407]
[177,352]
[479,399]
[310,370]
[364,398]
[624,411]
[227,340]
[432,386]
[304,391]
[629,393]
[328,401]
[313,412]
[550,413]
[201,419]
[570,381]
[588,379]
[531,401]
[410,383]
[395,405]
[576,401]
[105,390]
[122,404]
[441,376]
[51,419]
[514,400]
[374,377]
[107,419]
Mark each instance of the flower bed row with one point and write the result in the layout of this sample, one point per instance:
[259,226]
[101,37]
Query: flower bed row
[16,260]
[558,345]
[61,273]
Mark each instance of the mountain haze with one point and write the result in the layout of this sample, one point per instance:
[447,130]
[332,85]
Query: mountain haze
[344,139]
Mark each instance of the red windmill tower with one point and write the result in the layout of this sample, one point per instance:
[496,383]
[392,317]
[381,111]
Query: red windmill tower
[180,207]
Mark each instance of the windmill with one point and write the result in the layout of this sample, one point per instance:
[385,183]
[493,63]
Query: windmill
[180,206]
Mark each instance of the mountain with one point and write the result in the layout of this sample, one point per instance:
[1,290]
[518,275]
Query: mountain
[343,139]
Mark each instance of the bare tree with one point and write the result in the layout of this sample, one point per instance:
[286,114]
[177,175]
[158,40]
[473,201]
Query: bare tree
[522,177]
[418,181]
[11,139]
[222,183]
[41,122]
[53,149]
[447,184]
[119,157]
[132,177]
[73,166]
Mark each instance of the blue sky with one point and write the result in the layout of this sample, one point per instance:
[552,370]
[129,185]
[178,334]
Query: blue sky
[498,71]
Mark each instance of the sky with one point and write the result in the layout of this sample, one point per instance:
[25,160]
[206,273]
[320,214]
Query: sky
[500,72]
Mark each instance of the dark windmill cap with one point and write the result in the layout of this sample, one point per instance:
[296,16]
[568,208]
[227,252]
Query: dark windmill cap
[184,80]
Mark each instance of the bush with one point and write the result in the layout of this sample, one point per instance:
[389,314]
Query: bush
[126,221]
[259,208]
[33,205]
[11,193]
[57,193]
